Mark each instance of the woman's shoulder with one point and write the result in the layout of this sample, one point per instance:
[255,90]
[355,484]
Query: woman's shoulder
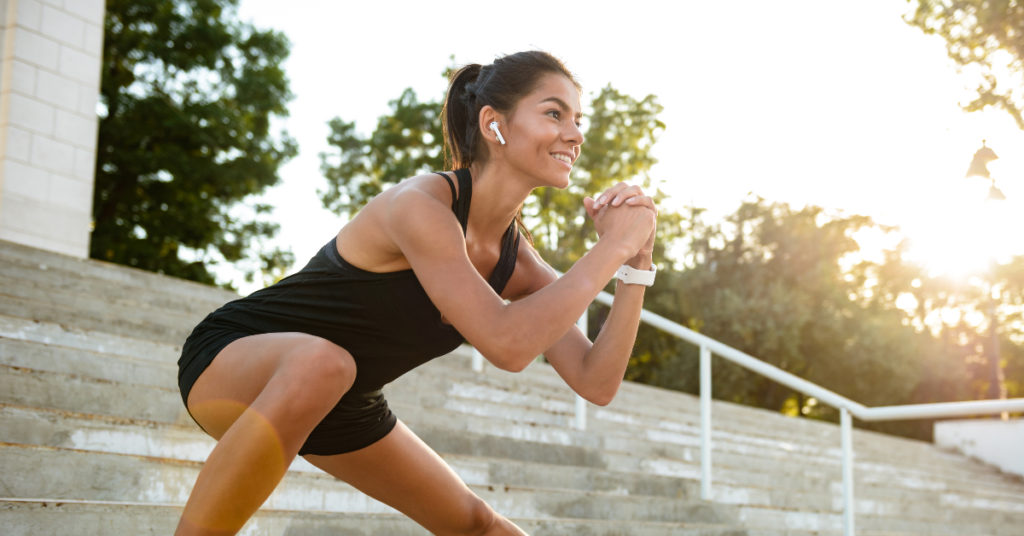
[422,200]
[431,184]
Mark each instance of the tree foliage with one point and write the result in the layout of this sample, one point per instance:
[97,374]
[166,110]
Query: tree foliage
[770,282]
[791,287]
[986,37]
[406,142]
[189,94]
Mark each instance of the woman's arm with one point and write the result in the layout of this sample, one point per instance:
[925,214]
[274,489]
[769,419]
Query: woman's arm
[509,335]
[595,370]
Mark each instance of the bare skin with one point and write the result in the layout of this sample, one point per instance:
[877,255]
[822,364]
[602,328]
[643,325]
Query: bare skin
[263,394]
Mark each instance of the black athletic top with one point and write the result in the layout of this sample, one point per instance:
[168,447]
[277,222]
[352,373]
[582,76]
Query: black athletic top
[385,320]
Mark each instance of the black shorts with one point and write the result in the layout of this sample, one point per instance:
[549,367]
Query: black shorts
[359,419]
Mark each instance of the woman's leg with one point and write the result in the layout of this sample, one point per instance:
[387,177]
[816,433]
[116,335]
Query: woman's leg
[402,471]
[260,397]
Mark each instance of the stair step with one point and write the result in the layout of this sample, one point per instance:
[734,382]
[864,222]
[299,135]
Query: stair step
[106,477]
[32,517]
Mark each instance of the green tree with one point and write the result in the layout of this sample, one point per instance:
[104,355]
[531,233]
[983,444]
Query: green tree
[406,142]
[780,284]
[188,96]
[985,37]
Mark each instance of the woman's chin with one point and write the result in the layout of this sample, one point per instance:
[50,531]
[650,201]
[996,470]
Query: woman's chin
[562,182]
[562,179]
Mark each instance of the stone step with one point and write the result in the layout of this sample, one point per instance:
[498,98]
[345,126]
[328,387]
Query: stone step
[772,431]
[482,395]
[46,263]
[551,411]
[946,523]
[61,391]
[57,286]
[108,477]
[154,281]
[104,366]
[108,344]
[53,390]
[90,433]
[464,396]
[55,267]
[728,459]
[50,428]
[483,438]
[115,477]
[94,317]
[599,413]
[105,518]
[662,425]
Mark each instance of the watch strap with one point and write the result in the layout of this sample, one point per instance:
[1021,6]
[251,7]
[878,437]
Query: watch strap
[633,276]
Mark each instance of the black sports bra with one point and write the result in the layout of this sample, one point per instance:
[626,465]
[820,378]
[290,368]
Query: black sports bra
[509,241]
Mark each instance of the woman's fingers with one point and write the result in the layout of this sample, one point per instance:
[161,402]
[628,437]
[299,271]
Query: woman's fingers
[642,201]
[588,205]
[615,195]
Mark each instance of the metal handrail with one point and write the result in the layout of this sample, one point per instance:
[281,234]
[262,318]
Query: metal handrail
[847,408]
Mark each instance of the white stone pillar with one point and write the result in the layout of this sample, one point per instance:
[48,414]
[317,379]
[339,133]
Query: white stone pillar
[49,86]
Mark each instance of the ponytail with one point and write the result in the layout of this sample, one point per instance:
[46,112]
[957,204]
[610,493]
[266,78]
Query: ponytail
[459,118]
[499,85]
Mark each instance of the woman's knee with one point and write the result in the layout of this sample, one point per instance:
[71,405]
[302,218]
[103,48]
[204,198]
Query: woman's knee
[320,369]
[478,518]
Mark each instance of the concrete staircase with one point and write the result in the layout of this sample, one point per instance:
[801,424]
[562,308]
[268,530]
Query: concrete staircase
[94,439]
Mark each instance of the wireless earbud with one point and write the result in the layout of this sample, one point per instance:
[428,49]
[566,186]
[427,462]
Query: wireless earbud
[494,127]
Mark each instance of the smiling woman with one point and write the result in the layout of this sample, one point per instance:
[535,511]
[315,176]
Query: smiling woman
[297,368]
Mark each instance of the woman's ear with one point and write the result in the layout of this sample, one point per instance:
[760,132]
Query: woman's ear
[490,124]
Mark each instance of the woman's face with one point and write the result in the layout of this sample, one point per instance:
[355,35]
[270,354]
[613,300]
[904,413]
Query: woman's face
[543,133]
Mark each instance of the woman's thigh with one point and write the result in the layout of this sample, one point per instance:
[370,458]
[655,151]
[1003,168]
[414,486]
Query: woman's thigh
[400,470]
[266,365]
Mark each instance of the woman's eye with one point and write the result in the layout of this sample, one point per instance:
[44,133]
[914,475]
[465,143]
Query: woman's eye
[554,113]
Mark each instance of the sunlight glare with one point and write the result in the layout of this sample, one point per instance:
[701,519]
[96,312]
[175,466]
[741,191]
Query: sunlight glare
[957,231]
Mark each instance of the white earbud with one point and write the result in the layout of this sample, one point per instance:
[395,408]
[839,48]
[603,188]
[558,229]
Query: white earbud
[494,127]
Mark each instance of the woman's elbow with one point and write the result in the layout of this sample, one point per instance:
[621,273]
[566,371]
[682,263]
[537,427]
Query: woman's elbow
[514,365]
[600,398]
[510,361]
[510,354]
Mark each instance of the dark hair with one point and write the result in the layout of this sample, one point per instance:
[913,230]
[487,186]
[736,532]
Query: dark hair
[499,85]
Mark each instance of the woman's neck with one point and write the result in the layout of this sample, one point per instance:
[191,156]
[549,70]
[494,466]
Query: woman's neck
[498,193]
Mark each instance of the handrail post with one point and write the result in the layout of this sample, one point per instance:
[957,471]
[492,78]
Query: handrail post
[846,432]
[478,361]
[580,419]
[705,423]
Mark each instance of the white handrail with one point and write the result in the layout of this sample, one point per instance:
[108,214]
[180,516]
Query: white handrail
[847,408]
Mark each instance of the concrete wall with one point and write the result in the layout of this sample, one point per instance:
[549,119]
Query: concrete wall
[1000,443]
[51,54]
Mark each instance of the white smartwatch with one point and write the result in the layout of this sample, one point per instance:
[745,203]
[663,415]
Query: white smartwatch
[632,276]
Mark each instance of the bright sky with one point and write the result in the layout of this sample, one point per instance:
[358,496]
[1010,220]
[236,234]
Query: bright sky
[835,104]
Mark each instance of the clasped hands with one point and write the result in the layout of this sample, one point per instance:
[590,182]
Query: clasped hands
[624,214]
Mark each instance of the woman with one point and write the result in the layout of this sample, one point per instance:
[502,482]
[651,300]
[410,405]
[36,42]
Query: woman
[297,368]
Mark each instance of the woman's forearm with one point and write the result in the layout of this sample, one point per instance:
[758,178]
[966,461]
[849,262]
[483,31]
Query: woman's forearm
[604,365]
[531,325]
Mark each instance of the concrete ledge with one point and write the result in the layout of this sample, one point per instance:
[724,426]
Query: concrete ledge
[999,443]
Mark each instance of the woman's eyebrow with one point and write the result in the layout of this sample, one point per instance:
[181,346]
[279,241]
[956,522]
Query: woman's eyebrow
[561,104]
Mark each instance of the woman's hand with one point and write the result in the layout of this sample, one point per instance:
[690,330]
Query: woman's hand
[629,215]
